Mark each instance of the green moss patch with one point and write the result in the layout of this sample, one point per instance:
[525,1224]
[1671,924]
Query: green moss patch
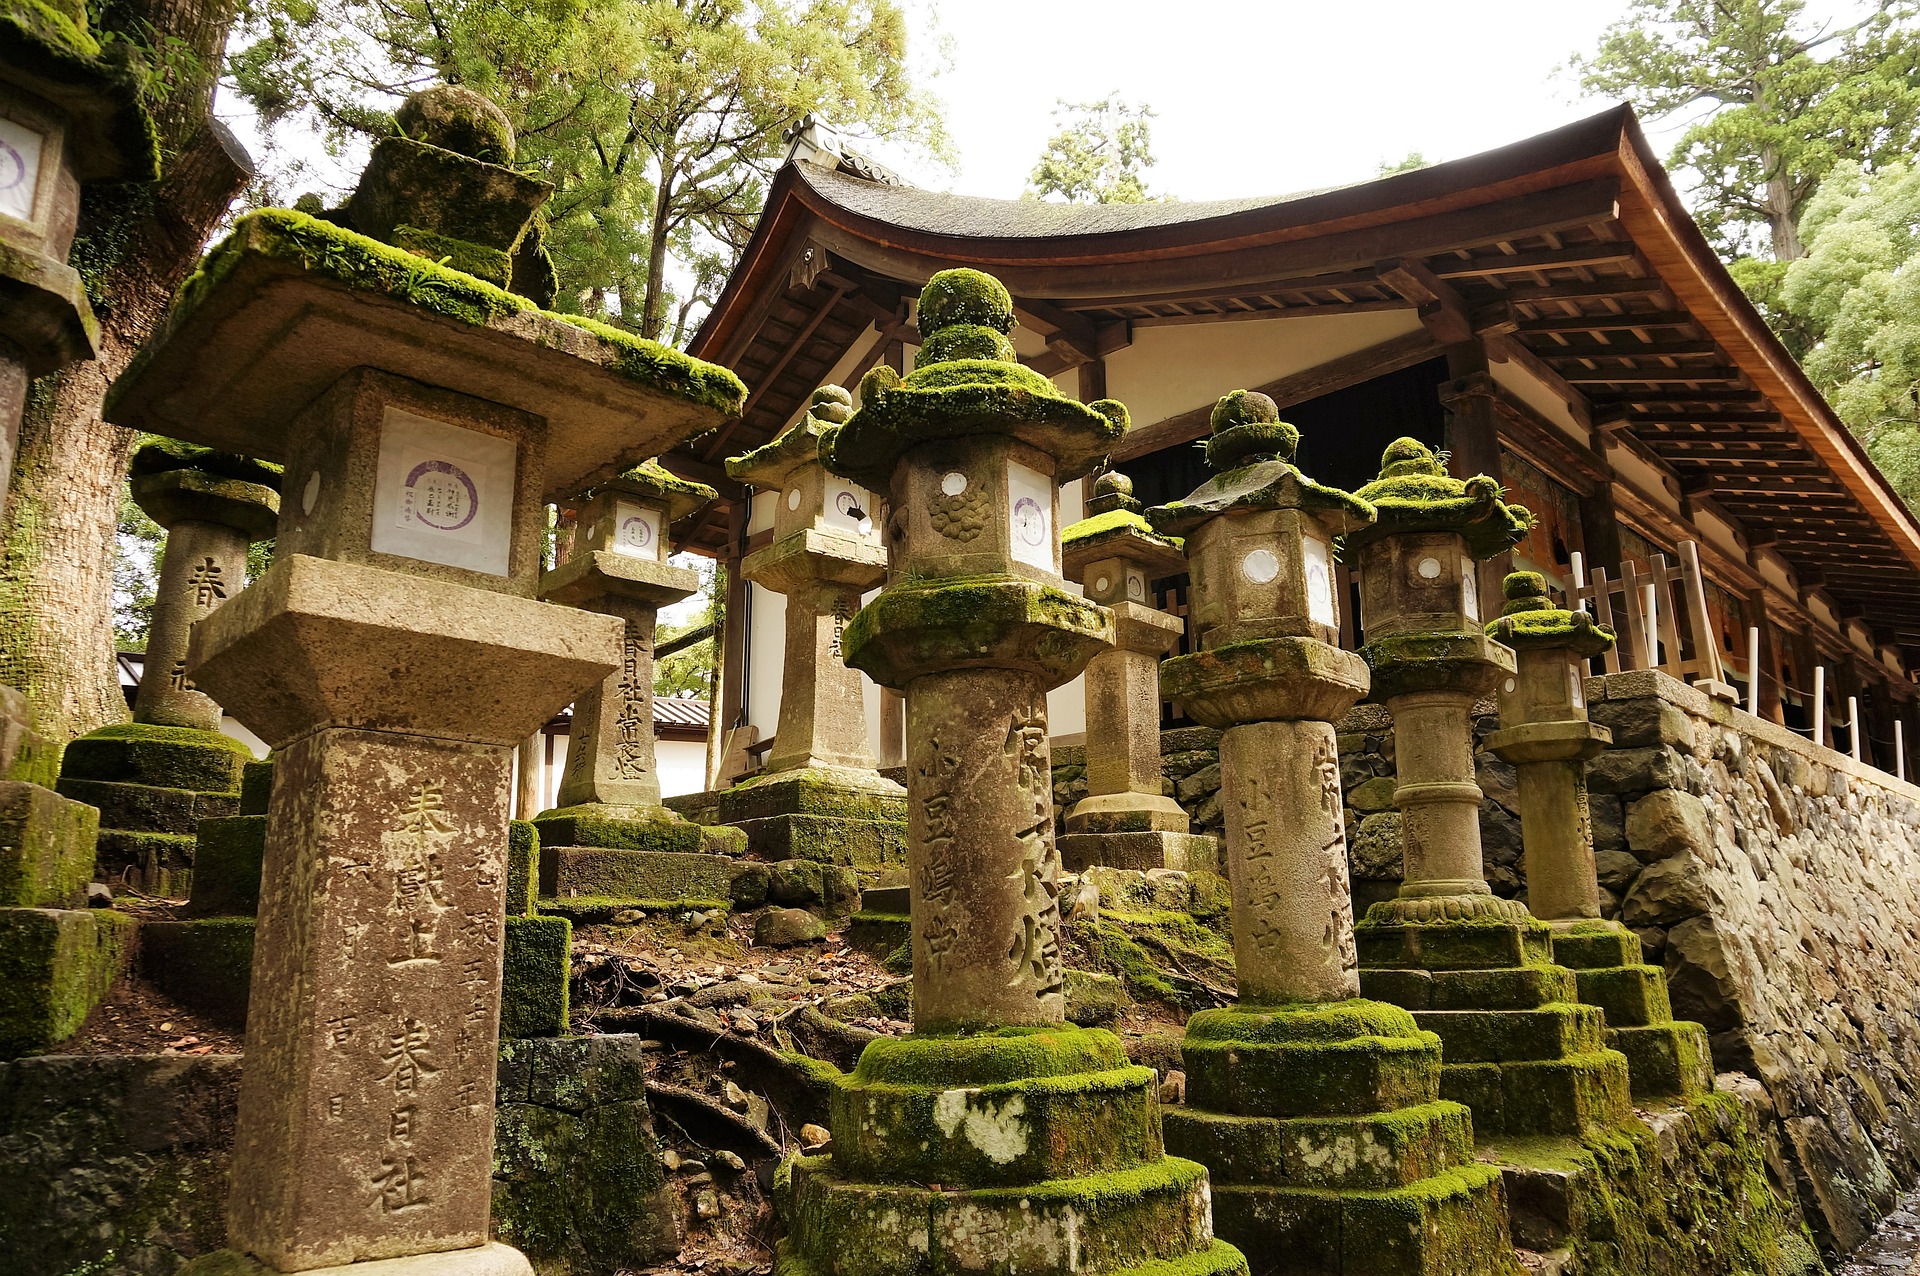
[1414,493]
[227,858]
[990,1058]
[206,964]
[523,867]
[534,976]
[163,757]
[55,966]
[46,848]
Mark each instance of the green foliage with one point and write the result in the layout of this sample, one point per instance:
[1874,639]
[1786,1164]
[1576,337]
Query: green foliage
[659,122]
[1856,297]
[1099,154]
[1780,98]
[1412,162]
[139,547]
[689,672]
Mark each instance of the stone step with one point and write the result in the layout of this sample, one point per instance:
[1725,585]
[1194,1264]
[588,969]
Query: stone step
[1374,1152]
[1671,1060]
[1310,1078]
[146,808]
[1501,1036]
[661,830]
[827,839]
[1127,1219]
[1026,1131]
[573,872]
[878,935]
[226,867]
[1187,852]
[896,900]
[205,964]
[46,847]
[1597,944]
[163,757]
[1631,996]
[157,863]
[1513,988]
[1453,1224]
[55,966]
[1578,1095]
[1476,944]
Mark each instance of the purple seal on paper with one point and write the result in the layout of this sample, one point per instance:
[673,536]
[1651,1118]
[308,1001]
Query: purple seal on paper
[1029,520]
[637,532]
[13,168]
[440,494]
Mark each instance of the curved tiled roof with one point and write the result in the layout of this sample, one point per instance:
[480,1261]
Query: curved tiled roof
[973,217]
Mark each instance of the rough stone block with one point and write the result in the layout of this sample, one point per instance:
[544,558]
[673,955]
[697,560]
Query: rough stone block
[1593,946]
[1471,945]
[590,826]
[147,809]
[1629,995]
[523,867]
[535,968]
[1515,988]
[1578,1095]
[46,847]
[1668,1060]
[226,867]
[1667,893]
[1373,850]
[1186,852]
[1643,722]
[1030,1130]
[162,757]
[878,934]
[601,872]
[867,844]
[256,786]
[55,966]
[1636,770]
[161,862]
[1374,1152]
[205,964]
[1455,1223]
[1503,1036]
[812,792]
[1667,823]
[1310,1078]
[785,927]
[577,1180]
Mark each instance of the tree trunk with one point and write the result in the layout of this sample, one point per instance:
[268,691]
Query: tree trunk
[56,551]
[1783,219]
[653,317]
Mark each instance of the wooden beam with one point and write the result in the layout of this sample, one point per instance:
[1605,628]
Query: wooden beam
[1605,323]
[1508,348]
[1606,254]
[1287,312]
[1582,290]
[1624,350]
[765,381]
[1069,335]
[1660,395]
[1441,310]
[1324,282]
[1336,374]
[1651,376]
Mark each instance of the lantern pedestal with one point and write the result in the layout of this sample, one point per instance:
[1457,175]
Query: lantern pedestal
[996,1137]
[1318,1115]
[1125,821]
[1475,969]
[1546,735]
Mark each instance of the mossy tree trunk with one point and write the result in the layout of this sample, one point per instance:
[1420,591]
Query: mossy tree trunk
[136,243]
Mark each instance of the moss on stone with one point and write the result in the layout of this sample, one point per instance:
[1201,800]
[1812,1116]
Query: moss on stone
[972,621]
[523,867]
[157,455]
[206,964]
[1114,525]
[655,479]
[1260,484]
[227,858]
[491,264]
[604,827]
[455,118]
[53,48]
[534,975]
[55,966]
[1414,493]
[358,261]
[1305,1023]
[988,1058]
[164,757]
[46,847]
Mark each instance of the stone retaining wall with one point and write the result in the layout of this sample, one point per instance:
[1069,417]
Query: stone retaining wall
[1777,883]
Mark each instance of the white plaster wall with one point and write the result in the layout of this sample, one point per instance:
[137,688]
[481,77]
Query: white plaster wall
[766,655]
[1535,393]
[682,766]
[1174,369]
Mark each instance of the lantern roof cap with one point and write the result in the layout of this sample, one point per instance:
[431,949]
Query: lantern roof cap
[1119,533]
[1414,493]
[1262,485]
[771,464]
[652,481]
[1530,622]
[965,383]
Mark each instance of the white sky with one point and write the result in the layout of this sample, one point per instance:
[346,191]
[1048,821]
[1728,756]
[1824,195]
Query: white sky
[1258,98]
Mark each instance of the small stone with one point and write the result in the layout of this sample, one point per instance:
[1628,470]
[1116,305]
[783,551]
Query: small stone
[1173,1087]
[784,927]
[731,1160]
[670,1159]
[814,1137]
[736,1097]
[1667,822]
[745,1023]
[707,1204]
[693,1167]
[629,917]
[1373,795]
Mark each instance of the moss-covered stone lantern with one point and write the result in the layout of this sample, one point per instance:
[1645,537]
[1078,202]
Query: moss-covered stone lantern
[1125,820]
[1524,1059]
[820,797]
[393,655]
[1267,672]
[609,828]
[1545,733]
[996,1136]
[156,778]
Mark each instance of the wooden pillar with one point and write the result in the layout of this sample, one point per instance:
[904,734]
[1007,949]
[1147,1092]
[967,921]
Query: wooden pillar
[728,712]
[1883,710]
[1473,445]
[1600,528]
[1769,671]
[1093,380]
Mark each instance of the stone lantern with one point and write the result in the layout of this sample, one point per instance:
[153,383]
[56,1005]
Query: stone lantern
[1545,733]
[394,655]
[609,824]
[941,1138]
[1267,672]
[820,797]
[156,778]
[1517,1053]
[1125,820]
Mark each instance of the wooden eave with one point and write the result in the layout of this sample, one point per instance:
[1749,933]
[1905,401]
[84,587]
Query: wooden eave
[1568,252]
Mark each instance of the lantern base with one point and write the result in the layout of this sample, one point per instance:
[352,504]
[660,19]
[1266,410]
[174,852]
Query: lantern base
[1188,852]
[1005,1149]
[1667,1058]
[483,1260]
[1328,1141]
[1519,1052]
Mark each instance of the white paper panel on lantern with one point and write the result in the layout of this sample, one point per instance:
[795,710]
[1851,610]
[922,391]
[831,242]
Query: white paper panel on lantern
[20,149]
[443,494]
[1320,600]
[1469,590]
[848,507]
[636,530]
[1030,516]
